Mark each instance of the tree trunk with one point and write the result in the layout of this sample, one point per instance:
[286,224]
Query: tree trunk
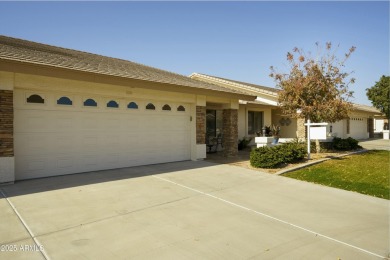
[318,148]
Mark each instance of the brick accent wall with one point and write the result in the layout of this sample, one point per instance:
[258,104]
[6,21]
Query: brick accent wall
[200,125]
[301,128]
[230,132]
[6,123]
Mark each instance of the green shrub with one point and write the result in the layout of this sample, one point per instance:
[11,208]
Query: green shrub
[353,143]
[293,152]
[265,157]
[345,144]
[271,157]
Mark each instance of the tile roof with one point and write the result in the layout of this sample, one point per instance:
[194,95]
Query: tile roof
[36,53]
[263,89]
[366,108]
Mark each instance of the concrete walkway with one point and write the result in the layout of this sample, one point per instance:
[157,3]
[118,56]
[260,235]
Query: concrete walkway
[188,210]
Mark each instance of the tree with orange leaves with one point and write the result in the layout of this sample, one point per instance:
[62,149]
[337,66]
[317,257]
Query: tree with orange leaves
[315,86]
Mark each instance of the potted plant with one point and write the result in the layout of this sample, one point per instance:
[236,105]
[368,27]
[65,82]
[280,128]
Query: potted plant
[275,132]
[243,143]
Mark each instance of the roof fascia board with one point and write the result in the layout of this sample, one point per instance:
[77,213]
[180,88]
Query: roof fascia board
[267,101]
[232,84]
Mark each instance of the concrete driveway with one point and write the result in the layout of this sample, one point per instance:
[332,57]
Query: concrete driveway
[375,144]
[188,210]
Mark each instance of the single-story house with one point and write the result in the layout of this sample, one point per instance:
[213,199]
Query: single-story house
[264,111]
[64,111]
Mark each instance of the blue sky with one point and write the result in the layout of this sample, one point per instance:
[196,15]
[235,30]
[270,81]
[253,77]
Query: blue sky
[236,40]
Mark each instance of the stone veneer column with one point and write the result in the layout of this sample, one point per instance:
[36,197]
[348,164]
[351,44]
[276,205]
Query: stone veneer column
[200,125]
[301,129]
[6,136]
[230,132]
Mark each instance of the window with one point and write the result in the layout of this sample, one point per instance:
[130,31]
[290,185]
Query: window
[90,103]
[132,105]
[166,107]
[214,123]
[37,99]
[255,122]
[64,101]
[150,106]
[348,123]
[211,123]
[181,108]
[113,104]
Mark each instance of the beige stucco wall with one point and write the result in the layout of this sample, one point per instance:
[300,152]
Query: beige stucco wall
[242,121]
[286,131]
[339,128]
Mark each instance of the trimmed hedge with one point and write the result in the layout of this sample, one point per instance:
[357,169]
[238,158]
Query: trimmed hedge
[345,144]
[337,144]
[271,157]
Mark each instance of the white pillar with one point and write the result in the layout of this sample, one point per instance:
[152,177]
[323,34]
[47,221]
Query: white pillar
[308,139]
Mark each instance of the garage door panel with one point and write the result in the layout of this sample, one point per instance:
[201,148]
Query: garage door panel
[33,165]
[50,142]
[65,162]
[66,143]
[358,128]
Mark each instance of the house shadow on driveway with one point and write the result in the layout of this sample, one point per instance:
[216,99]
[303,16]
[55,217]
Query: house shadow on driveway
[38,185]
[218,157]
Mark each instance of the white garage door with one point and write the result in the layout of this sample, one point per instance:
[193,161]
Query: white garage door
[358,127]
[50,141]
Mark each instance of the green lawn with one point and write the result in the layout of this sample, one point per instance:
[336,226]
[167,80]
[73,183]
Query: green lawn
[366,173]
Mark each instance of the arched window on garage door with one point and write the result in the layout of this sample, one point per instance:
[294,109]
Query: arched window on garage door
[181,108]
[150,106]
[64,101]
[166,107]
[132,105]
[113,104]
[36,99]
[90,103]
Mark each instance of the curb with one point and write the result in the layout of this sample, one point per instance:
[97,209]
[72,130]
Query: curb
[317,162]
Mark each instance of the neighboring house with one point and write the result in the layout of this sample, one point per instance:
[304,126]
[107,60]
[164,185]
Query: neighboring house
[254,115]
[64,111]
[380,124]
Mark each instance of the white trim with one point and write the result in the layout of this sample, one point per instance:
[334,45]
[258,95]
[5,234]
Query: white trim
[267,101]
[241,86]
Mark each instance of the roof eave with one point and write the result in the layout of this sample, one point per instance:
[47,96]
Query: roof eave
[235,84]
[83,75]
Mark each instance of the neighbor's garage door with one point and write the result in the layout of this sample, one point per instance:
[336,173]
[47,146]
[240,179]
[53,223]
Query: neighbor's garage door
[358,127]
[53,140]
